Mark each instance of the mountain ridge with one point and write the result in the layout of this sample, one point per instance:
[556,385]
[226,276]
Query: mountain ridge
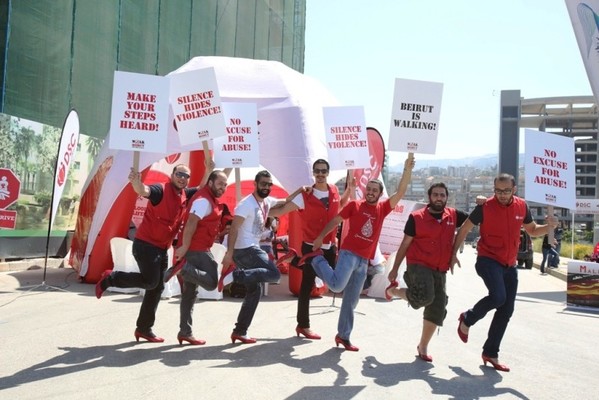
[480,162]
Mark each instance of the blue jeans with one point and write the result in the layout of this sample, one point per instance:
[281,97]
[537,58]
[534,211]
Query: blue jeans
[502,283]
[348,276]
[253,269]
[551,257]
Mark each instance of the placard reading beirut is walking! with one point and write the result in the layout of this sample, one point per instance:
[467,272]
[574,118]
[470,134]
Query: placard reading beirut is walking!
[346,137]
[196,105]
[139,117]
[550,169]
[415,116]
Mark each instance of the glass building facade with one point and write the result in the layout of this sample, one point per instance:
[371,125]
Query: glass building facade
[60,54]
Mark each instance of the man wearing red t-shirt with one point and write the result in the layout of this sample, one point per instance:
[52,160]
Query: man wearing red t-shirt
[365,219]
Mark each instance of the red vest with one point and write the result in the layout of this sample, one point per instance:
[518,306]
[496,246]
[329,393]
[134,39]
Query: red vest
[433,243]
[365,225]
[500,230]
[315,216]
[161,222]
[209,226]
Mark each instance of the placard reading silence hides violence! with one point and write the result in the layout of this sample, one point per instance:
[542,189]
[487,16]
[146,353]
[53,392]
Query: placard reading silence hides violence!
[550,169]
[346,137]
[196,105]
[239,147]
[415,116]
[139,117]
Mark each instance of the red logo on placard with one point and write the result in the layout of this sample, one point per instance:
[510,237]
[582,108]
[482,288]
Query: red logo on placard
[172,158]
[10,187]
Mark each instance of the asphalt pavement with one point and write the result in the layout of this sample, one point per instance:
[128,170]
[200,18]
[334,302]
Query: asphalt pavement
[59,341]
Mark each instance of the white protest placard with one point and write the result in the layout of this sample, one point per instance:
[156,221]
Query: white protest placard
[239,147]
[587,206]
[393,225]
[139,116]
[196,106]
[346,137]
[415,116]
[550,175]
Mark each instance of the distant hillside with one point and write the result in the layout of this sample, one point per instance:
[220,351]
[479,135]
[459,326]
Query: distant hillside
[480,162]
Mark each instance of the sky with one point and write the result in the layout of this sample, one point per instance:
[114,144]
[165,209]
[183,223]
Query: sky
[356,49]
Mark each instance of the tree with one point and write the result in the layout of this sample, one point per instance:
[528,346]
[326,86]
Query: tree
[94,145]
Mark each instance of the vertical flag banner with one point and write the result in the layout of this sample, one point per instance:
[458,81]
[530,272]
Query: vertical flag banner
[66,154]
[196,106]
[376,151]
[415,116]
[346,137]
[550,175]
[239,147]
[585,22]
[139,116]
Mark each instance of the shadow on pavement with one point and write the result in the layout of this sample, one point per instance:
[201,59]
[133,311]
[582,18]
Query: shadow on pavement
[464,386]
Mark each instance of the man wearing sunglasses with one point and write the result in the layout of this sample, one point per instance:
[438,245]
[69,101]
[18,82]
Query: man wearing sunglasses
[500,219]
[317,206]
[161,223]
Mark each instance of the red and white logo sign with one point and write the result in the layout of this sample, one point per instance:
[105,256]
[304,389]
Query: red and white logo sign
[8,219]
[10,187]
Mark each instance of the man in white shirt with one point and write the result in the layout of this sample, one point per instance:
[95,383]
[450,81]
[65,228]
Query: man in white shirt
[253,264]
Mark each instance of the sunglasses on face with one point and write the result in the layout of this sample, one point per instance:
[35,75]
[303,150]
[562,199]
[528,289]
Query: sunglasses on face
[180,174]
[505,191]
[320,171]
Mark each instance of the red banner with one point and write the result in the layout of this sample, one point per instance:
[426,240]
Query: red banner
[8,219]
[376,150]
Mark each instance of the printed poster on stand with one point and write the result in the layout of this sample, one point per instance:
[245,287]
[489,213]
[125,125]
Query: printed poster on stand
[196,104]
[415,116]
[583,284]
[239,147]
[550,175]
[346,137]
[139,116]
[587,206]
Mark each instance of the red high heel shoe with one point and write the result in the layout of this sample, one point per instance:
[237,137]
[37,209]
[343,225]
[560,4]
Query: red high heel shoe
[99,290]
[223,275]
[245,339]
[393,284]
[307,332]
[312,254]
[190,340]
[287,257]
[149,336]
[346,343]
[422,356]
[497,366]
[463,336]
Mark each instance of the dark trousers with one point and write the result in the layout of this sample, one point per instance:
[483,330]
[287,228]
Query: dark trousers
[502,284]
[152,262]
[308,276]
[200,270]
